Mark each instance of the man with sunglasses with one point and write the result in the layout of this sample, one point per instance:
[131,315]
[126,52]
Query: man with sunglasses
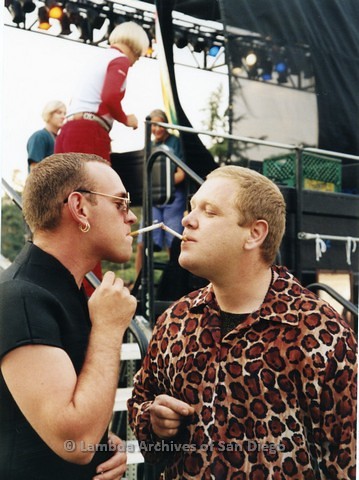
[59,353]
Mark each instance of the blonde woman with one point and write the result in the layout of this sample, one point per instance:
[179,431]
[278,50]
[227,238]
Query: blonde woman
[96,101]
[42,142]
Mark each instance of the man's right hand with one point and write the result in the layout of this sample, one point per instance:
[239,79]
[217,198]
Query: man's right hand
[132,121]
[111,304]
[167,414]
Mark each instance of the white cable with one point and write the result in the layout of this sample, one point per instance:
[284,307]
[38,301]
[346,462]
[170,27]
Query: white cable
[350,248]
[320,247]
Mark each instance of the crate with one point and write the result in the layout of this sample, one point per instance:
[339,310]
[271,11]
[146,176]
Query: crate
[319,173]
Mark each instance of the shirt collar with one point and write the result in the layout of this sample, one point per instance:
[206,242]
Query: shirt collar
[274,308]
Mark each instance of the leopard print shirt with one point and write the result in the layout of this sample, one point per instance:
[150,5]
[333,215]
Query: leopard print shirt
[275,398]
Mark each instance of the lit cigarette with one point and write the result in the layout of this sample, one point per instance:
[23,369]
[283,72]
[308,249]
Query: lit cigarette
[175,234]
[147,229]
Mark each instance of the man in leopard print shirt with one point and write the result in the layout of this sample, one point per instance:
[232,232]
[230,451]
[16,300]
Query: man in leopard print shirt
[252,377]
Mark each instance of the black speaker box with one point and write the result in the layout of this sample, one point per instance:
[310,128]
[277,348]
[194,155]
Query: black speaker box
[350,176]
[326,213]
[129,166]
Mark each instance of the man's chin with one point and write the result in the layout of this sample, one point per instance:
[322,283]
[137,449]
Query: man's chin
[186,263]
[120,259]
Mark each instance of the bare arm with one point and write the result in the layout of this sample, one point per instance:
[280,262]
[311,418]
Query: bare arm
[179,176]
[59,405]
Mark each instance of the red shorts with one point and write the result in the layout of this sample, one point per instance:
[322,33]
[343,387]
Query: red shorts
[84,136]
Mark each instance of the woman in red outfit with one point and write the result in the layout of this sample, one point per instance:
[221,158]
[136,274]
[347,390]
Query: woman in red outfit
[96,101]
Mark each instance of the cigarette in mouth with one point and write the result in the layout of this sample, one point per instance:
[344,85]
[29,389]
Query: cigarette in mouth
[175,234]
[158,225]
[146,229]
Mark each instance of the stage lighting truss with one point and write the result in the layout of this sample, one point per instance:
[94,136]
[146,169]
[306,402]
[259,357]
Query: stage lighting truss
[87,21]
[91,22]
[259,59]
[196,43]
[203,40]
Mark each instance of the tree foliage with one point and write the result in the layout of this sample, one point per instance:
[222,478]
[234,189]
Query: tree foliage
[224,151]
[13,229]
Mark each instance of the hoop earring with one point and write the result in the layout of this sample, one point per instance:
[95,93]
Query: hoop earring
[84,228]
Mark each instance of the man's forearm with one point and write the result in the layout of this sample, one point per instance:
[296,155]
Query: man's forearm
[95,391]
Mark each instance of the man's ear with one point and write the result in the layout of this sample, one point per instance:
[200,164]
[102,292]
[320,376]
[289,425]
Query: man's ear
[78,207]
[257,234]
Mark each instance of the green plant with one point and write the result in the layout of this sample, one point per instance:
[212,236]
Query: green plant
[13,229]
[225,151]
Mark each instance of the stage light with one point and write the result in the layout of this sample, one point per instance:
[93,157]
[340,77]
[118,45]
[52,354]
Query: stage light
[54,9]
[267,68]
[214,50]
[199,44]
[237,71]
[149,51]
[251,59]
[86,30]
[282,70]
[73,13]
[95,19]
[151,33]
[43,15]
[17,12]
[65,24]
[56,12]
[281,67]
[86,25]
[181,40]
[28,6]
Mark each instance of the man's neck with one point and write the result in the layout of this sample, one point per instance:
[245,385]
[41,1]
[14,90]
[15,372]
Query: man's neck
[50,128]
[64,253]
[244,294]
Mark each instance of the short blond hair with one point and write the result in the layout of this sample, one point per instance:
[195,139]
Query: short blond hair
[132,35]
[258,198]
[50,108]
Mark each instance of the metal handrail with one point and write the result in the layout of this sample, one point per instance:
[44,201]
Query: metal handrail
[347,304]
[13,194]
[147,273]
[256,141]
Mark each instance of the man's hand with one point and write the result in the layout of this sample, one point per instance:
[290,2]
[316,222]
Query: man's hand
[167,414]
[115,467]
[111,304]
[132,121]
